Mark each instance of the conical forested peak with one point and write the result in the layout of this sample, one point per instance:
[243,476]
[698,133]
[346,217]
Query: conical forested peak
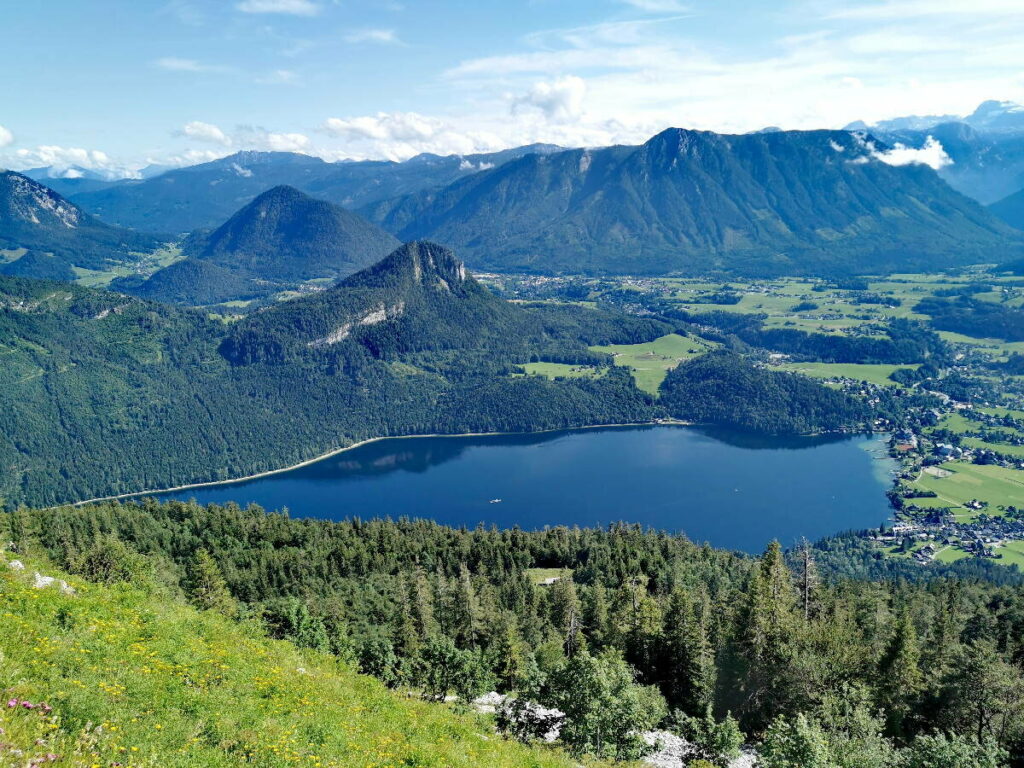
[285,234]
[417,263]
[282,193]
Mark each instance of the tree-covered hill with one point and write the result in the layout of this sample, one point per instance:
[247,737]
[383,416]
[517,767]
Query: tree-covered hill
[723,388]
[278,241]
[286,235]
[192,282]
[105,394]
[790,202]
[36,218]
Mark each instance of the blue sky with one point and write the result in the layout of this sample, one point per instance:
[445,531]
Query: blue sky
[114,85]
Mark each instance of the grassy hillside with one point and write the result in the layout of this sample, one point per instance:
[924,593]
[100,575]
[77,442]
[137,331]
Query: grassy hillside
[126,675]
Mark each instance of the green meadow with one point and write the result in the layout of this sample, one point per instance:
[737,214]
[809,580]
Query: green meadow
[649,363]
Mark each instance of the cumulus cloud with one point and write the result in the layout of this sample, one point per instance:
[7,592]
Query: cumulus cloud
[206,132]
[258,138]
[63,160]
[400,135]
[188,157]
[291,7]
[384,36]
[931,154]
[6,137]
[560,100]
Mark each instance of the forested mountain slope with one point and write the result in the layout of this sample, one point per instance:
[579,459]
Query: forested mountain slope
[286,235]
[795,202]
[104,393]
[36,218]
[639,629]
[1011,209]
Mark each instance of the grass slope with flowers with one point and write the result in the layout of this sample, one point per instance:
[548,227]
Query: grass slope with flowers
[126,675]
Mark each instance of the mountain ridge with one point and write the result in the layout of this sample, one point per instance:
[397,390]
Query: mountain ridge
[36,217]
[789,202]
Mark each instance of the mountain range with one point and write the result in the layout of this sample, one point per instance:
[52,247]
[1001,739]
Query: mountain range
[986,148]
[788,202]
[203,196]
[36,219]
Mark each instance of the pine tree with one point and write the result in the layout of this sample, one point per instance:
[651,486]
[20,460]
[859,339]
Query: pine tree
[808,581]
[900,678]
[206,587]
[566,615]
[768,638]
[465,611]
[689,657]
[422,606]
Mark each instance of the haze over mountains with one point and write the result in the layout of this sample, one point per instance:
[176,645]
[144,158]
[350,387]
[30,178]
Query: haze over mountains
[986,148]
[203,196]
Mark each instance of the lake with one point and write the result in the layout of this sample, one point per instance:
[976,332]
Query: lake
[732,490]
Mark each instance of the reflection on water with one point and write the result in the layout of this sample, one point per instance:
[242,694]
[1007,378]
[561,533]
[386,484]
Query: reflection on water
[731,489]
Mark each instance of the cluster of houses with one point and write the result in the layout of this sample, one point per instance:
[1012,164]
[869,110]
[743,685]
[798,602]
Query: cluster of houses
[980,538]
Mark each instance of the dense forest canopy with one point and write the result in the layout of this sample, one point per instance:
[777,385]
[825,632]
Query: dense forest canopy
[875,672]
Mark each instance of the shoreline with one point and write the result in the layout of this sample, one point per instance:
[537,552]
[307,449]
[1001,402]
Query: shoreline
[360,443]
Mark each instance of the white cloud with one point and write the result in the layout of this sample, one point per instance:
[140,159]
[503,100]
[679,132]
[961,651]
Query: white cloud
[400,135]
[559,100]
[206,132]
[175,64]
[6,137]
[291,7]
[62,161]
[188,157]
[931,154]
[278,142]
[384,36]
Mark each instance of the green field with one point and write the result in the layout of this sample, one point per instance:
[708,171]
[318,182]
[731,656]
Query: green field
[147,265]
[561,370]
[537,575]
[1017,451]
[1012,553]
[954,422]
[950,555]
[651,362]
[996,485]
[874,374]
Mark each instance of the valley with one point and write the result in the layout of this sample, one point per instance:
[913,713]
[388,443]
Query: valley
[698,449]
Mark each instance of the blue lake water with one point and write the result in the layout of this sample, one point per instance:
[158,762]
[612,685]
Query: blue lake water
[729,489]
